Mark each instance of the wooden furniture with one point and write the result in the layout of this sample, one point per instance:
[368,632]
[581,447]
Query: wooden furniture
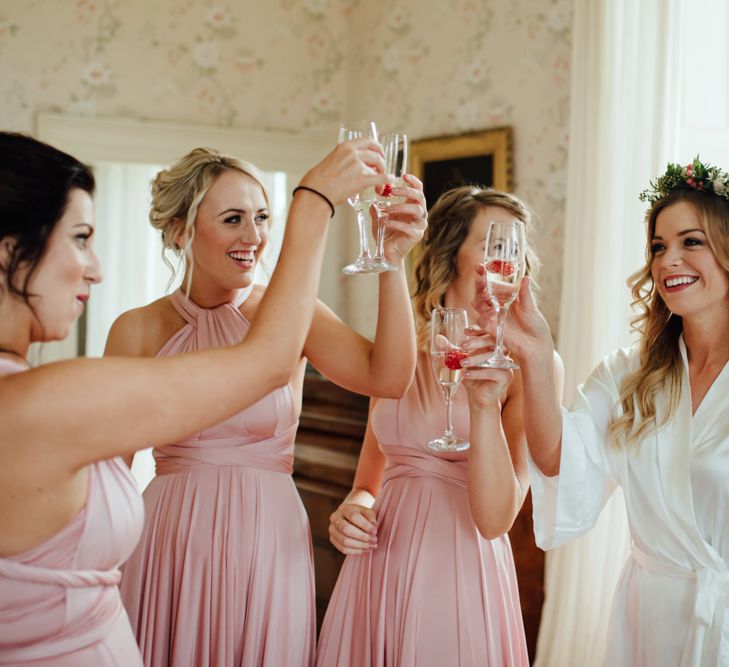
[327,447]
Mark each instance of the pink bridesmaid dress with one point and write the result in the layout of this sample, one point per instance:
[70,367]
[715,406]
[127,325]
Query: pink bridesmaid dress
[59,602]
[434,592]
[223,574]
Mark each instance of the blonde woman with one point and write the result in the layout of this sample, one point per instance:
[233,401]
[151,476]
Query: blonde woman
[70,513]
[223,572]
[429,576]
[652,419]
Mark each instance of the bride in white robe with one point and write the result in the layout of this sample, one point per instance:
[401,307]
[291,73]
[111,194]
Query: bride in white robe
[671,605]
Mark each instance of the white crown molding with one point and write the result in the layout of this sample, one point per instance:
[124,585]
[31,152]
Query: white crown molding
[153,142]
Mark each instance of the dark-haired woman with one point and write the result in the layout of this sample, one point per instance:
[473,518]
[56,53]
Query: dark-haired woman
[69,511]
[651,419]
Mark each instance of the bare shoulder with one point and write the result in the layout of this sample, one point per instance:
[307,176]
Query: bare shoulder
[141,332]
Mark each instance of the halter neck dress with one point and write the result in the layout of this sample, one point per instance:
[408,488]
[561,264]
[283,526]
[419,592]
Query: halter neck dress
[433,592]
[223,573]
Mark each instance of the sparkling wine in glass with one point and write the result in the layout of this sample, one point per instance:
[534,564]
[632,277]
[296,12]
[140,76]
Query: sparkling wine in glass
[395,148]
[447,334]
[504,267]
[361,203]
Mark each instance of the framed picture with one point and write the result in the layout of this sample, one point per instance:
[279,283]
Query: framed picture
[479,158]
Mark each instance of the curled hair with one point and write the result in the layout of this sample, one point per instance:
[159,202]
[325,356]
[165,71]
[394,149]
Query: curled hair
[659,356]
[36,181]
[178,191]
[449,222]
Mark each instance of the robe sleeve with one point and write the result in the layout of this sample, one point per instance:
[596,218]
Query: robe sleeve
[567,505]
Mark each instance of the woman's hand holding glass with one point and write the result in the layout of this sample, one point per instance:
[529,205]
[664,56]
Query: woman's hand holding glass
[351,167]
[485,386]
[526,332]
[406,220]
[353,528]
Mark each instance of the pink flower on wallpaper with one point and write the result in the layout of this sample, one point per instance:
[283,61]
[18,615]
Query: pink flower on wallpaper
[96,75]
[477,73]
[397,20]
[245,60]
[325,102]
[416,52]
[219,18]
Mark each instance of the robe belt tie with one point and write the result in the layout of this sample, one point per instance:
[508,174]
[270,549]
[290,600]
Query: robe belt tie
[708,635]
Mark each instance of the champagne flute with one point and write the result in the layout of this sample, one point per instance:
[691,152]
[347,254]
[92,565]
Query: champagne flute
[361,202]
[504,267]
[447,333]
[395,148]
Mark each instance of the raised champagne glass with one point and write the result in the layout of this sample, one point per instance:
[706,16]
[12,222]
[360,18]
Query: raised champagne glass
[504,267]
[447,334]
[366,262]
[395,148]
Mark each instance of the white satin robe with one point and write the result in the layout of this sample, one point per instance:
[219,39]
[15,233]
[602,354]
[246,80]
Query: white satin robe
[671,605]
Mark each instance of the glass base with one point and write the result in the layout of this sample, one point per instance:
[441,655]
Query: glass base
[448,445]
[390,266]
[498,361]
[367,265]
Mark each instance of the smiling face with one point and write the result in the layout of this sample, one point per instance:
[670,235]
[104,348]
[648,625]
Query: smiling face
[231,231]
[60,285]
[684,269]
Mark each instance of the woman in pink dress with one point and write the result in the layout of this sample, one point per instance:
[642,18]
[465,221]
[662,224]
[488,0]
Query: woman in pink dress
[223,574]
[69,512]
[438,587]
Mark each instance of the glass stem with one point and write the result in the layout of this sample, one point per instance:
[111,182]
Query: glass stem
[364,250]
[449,435]
[381,219]
[500,321]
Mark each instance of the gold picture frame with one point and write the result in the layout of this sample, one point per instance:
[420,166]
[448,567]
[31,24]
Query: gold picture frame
[478,158]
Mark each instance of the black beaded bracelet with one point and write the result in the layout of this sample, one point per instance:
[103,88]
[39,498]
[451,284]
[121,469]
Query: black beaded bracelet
[316,192]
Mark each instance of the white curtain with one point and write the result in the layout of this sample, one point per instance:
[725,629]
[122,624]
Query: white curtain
[623,130]
[128,246]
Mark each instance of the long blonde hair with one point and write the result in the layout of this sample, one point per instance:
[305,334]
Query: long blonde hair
[659,329]
[177,193]
[449,222]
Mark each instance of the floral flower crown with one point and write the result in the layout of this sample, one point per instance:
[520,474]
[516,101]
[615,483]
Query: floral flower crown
[695,175]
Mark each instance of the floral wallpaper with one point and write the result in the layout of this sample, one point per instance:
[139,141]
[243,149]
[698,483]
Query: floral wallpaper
[425,66]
